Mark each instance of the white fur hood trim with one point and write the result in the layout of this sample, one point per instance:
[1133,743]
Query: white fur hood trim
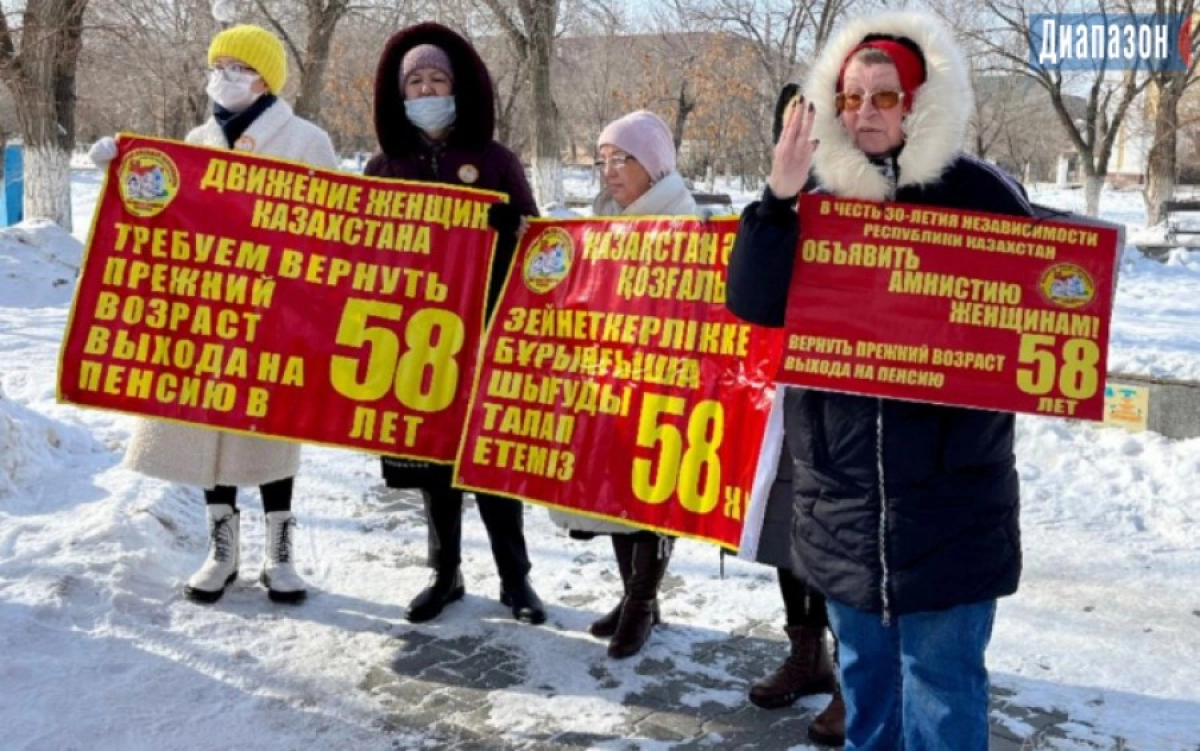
[934,130]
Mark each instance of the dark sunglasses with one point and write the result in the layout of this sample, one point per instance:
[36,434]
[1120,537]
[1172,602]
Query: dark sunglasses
[880,100]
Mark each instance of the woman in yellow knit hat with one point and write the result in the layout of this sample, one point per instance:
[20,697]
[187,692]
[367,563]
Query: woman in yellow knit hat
[247,69]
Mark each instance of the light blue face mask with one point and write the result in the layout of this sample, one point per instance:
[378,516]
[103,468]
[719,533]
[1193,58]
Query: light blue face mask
[430,113]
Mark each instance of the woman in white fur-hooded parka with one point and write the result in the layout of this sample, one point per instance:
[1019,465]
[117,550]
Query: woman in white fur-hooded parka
[906,513]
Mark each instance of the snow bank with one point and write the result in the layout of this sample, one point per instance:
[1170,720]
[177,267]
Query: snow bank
[39,262]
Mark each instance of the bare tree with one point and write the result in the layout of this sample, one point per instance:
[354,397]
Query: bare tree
[530,27]
[1012,127]
[1010,124]
[321,18]
[707,86]
[1003,28]
[782,32]
[41,76]
[163,45]
[593,70]
[776,37]
[1166,89]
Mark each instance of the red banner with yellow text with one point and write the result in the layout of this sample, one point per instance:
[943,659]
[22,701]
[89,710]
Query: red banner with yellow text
[954,307]
[614,383]
[273,298]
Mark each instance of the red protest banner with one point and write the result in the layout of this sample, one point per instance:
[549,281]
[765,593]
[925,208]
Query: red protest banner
[614,383]
[269,297]
[954,307]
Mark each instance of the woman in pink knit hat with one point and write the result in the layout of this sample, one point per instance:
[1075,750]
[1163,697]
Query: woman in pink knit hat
[637,166]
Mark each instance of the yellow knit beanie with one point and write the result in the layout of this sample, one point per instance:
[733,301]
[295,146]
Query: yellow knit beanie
[256,47]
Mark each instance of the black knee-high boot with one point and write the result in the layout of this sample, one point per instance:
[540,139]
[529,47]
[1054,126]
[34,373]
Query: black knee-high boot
[606,625]
[443,512]
[651,554]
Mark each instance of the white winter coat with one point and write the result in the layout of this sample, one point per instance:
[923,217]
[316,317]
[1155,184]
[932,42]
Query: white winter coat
[194,455]
[669,196]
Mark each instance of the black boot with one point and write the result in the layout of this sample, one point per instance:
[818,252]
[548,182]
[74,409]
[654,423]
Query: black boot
[444,588]
[526,606]
[651,553]
[504,520]
[606,625]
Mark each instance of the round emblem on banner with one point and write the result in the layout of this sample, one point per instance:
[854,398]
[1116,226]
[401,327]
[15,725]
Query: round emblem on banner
[468,173]
[548,260]
[245,143]
[1067,285]
[149,181]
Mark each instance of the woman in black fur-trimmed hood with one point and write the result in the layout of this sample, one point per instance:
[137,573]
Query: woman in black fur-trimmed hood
[906,514]
[435,118]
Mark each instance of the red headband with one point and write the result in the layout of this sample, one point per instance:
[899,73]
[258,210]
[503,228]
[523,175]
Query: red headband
[908,64]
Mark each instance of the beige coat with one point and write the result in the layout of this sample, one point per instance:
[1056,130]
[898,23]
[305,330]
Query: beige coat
[669,196]
[194,455]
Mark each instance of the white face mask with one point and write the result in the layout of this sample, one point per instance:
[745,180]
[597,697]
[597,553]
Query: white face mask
[430,113]
[231,92]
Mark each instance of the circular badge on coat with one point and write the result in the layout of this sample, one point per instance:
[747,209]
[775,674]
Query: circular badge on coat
[468,174]
[245,143]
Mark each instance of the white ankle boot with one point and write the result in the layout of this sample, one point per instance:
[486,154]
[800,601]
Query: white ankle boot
[279,573]
[220,568]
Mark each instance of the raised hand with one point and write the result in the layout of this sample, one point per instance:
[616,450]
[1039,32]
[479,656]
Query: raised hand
[794,152]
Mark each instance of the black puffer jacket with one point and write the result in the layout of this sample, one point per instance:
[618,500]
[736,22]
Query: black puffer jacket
[900,506]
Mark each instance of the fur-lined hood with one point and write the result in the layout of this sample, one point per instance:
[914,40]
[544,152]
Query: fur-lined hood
[934,129]
[475,118]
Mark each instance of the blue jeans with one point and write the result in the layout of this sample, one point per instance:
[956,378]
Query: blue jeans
[919,684]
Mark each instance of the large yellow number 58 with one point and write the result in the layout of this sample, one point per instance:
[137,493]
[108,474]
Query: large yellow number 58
[648,486]
[693,471]
[353,331]
[1078,378]
[1039,379]
[425,377]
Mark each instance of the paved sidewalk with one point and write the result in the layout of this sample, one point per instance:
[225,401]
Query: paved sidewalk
[448,687]
[469,682]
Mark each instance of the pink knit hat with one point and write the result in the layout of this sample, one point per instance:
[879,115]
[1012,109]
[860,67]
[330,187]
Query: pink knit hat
[644,135]
[425,56]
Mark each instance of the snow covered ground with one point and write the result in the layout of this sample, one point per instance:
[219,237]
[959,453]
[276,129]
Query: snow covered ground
[100,651]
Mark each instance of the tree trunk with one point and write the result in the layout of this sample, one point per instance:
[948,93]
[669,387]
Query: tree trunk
[321,24]
[48,185]
[47,162]
[547,161]
[41,78]
[683,108]
[507,105]
[1092,185]
[1161,162]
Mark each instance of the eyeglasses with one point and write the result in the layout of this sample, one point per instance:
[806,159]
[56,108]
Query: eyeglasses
[616,161]
[880,100]
[233,71]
